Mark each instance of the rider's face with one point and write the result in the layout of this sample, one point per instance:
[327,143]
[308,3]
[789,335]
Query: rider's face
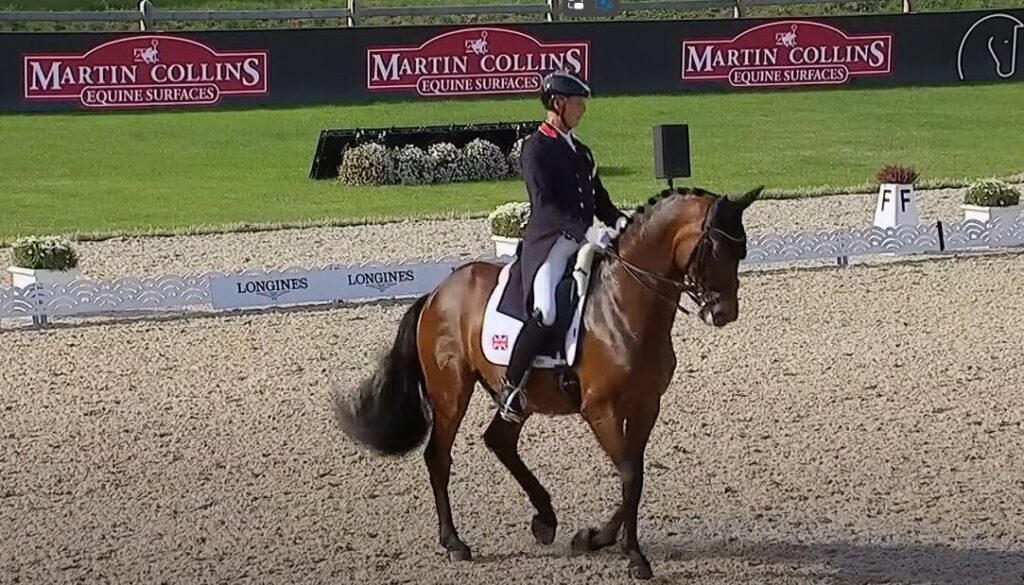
[575,106]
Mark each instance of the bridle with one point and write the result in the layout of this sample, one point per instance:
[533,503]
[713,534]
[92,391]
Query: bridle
[694,287]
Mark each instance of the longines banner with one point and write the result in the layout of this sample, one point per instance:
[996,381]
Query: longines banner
[327,285]
[108,71]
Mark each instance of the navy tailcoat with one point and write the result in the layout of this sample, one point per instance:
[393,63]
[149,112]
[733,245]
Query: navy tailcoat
[566,195]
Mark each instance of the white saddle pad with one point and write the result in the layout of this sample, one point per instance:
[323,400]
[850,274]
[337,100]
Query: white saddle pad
[500,330]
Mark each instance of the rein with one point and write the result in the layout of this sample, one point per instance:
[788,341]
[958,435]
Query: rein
[692,289]
[682,286]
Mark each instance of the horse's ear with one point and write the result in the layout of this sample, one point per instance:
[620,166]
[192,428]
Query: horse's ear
[749,197]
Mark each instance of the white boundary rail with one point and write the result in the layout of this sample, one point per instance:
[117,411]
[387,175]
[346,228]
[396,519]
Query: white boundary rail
[373,281]
[148,15]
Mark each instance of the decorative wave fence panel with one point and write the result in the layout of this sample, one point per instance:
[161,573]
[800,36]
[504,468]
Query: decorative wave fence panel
[374,281]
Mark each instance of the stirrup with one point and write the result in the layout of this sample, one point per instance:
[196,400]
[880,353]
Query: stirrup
[505,409]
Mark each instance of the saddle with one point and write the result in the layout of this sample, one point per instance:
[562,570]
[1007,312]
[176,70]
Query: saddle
[559,349]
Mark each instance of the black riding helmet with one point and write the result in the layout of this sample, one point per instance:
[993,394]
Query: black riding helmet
[561,83]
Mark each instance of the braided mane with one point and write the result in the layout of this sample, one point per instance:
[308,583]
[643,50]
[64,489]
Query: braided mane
[603,283]
[643,211]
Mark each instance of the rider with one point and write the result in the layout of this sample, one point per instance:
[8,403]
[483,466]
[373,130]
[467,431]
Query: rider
[565,195]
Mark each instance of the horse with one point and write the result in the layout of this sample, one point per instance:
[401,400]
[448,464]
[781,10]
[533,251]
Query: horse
[683,240]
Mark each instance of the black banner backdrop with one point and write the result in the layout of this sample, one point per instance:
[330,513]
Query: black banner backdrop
[109,71]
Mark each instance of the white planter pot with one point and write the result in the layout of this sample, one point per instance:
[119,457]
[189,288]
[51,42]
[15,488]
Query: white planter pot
[983,213]
[24,277]
[505,246]
[895,206]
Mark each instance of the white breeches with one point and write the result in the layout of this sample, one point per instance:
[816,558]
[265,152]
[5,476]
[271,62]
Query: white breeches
[548,276]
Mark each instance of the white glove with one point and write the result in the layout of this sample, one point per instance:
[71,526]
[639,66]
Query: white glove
[620,224]
[606,239]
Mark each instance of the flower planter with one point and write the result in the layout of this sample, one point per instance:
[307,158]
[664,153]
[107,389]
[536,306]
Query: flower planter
[986,213]
[504,246]
[24,277]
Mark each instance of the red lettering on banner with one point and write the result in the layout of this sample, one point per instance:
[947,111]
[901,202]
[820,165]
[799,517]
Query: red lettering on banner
[145,71]
[788,53]
[474,61]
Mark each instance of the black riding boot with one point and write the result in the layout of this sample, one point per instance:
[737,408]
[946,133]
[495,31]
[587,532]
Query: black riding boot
[527,346]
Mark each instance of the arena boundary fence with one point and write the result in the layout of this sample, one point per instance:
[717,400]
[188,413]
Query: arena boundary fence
[376,281]
[148,14]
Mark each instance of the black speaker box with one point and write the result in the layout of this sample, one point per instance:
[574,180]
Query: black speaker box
[671,151]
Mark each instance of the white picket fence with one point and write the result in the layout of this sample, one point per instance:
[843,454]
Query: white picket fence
[375,281]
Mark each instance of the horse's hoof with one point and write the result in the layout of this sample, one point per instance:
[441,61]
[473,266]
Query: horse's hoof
[460,554]
[640,572]
[542,531]
[581,542]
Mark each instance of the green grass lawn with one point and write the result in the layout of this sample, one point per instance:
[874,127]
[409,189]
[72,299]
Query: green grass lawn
[123,172]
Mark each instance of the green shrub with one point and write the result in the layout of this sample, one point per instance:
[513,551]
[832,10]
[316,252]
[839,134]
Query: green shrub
[991,193]
[367,164]
[485,161]
[509,219]
[515,168]
[449,163]
[412,165]
[44,253]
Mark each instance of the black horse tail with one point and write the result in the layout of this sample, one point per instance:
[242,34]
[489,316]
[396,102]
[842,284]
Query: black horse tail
[388,414]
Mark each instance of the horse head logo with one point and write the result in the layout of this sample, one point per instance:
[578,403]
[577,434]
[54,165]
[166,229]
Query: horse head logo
[990,47]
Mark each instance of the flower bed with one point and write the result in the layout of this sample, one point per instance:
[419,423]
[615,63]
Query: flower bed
[372,163]
[333,143]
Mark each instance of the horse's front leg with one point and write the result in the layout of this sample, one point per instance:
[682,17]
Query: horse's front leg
[590,539]
[631,472]
[626,447]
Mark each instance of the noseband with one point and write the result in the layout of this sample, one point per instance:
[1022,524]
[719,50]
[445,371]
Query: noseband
[695,288]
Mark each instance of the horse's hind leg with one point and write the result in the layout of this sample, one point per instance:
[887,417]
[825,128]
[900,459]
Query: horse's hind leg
[502,437]
[449,407]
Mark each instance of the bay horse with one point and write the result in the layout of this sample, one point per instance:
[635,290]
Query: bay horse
[682,240]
